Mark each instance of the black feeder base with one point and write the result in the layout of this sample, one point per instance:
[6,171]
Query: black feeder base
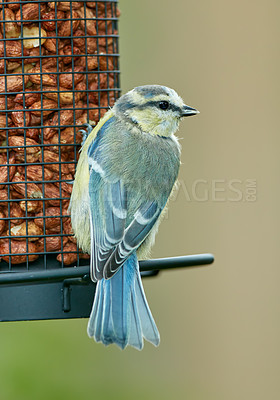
[67,292]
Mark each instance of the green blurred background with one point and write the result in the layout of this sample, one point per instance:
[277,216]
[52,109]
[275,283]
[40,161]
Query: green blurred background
[219,325]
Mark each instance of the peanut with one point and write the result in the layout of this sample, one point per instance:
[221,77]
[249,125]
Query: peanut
[66,96]
[6,103]
[67,51]
[45,108]
[26,229]
[70,25]
[11,29]
[20,249]
[28,13]
[71,79]
[24,144]
[14,6]
[33,55]
[32,133]
[67,136]
[31,206]
[69,255]
[88,25]
[12,83]
[13,50]
[38,34]
[45,77]
[35,120]
[3,197]
[7,172]
[16,214]
[53,243]
[28,157]
[51,218]
[20,118]
[67,229]
[31,190]
[65,5]
[2,222]
[27,98]
[51,43]
[52,17]
[52,194]
[66,186]
[56,162]
[36,172]
[10,65]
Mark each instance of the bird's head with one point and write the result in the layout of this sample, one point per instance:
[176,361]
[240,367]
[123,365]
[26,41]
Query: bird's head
[153,109]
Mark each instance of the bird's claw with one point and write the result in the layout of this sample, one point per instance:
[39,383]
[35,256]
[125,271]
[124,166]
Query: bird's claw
[86,132]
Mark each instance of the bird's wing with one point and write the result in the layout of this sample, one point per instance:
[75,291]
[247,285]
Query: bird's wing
[136,232]
[112,239]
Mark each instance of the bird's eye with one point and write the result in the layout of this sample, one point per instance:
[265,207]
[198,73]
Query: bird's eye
[164,105]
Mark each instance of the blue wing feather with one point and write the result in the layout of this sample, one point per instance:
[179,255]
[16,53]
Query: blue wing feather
[143,221]
[113,239]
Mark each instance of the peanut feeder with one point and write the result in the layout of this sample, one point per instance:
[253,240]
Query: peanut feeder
[58,70]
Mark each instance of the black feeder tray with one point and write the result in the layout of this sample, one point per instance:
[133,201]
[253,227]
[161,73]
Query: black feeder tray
[75,54]
[67,292]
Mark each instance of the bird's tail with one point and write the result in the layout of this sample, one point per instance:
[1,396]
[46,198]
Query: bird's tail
[120,312]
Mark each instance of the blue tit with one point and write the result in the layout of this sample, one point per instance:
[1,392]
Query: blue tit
[127,169]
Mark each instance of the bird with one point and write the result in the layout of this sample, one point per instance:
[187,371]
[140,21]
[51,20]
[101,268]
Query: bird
[127,169]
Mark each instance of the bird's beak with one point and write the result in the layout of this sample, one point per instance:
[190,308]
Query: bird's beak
[188,111]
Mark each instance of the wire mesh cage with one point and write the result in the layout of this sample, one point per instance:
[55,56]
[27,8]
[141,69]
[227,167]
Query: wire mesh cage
[58,70]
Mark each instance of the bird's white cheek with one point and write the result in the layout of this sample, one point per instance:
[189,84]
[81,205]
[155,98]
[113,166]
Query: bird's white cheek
[168,127]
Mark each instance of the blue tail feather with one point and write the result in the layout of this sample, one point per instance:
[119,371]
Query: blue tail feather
[120,312]
[95,322]
[136,335]
[149,328]
[106,323]
[120,288]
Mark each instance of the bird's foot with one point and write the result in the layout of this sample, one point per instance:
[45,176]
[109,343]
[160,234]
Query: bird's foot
[85,132]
